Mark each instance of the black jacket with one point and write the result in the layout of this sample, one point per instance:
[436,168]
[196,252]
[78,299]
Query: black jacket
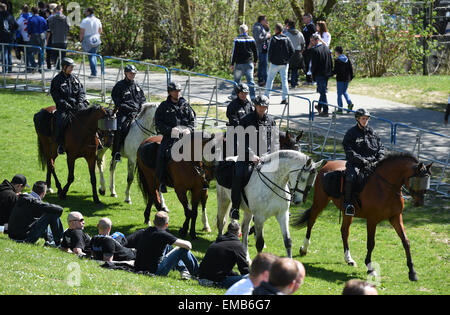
[267,123]
[237,109]
[7,35]
[169,115]
[221,257]
[128,97]
[321,61]
[266,288]
[244,50]
[8,198]
[362,145]
[343,69]
[25,213]
[68,93]
[307,32]
[280,50]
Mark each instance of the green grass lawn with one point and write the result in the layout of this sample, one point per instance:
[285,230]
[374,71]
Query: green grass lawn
[34,269]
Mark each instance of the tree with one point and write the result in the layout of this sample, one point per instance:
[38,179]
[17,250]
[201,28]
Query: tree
[241,13]
[152,42]
[188,35]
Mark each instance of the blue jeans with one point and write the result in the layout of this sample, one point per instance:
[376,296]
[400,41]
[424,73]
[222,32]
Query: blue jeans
[180,258]
[322,85]
[40,229]
[247,70]
[7,59]
[262,67]
[93,61]
[230,280]
[273,70]
[342,91]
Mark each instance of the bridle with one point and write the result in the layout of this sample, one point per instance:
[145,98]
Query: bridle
[291,191]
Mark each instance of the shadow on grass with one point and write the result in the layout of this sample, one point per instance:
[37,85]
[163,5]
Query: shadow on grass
[315,271]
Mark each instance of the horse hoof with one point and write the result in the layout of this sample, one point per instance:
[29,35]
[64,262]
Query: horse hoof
[182,232]
[128,201]
[102,192]
[303,252]
[50,191]
[352,263]
[98,203]
[413,276]
[194,237]
[207,229]
[114,195]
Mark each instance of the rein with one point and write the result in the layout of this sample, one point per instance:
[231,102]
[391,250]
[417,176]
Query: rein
[143,129]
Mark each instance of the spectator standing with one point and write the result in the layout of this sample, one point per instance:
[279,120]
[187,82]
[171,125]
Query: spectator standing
[74,239]
[31,217]
[243,56]
[8,28]
[325,36]
[321,69]
[261,34]
[90,30]
[307,32]
[298,42]
[286,276]
[23,38]
[359,287]
[259,272]
[155,253]
[344,74]
[59,27]
[37,28]
[222,255]
[280,52]
[9,193]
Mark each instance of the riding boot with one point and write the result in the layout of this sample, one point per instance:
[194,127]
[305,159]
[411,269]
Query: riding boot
[236,189]
[116,146]
[348,200]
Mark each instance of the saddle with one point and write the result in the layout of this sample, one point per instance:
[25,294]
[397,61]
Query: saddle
[224,173]
[333,183]
[148,151]
[44,121]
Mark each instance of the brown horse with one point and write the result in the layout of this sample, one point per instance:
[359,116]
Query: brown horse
[80,141]
[380,199]
[185,175]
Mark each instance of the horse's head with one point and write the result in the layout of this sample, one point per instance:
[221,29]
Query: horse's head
[419,183]
[304,180]
[288,141]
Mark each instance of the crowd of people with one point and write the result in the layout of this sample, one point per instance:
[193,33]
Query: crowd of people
[288,51]
[45,26]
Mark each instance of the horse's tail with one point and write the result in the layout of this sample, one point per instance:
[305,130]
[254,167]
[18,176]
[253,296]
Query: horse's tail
[142,182]
[300,219]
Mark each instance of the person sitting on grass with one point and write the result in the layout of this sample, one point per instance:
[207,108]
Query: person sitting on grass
[156,255]
[106,248]
[74,239]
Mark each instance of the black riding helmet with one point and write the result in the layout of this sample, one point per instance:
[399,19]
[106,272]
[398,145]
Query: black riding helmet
[173,86]
[130,68]
[261,100]
[67,62]
[362,112]
[241,87]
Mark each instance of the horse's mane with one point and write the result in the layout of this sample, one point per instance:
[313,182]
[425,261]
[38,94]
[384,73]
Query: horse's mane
[145,108]
[282,154]
[392,157]
[88,111]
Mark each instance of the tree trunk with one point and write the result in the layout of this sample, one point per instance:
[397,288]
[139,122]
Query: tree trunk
[297,10]
[186,50]
[151,47]
[309,6]
[241,13]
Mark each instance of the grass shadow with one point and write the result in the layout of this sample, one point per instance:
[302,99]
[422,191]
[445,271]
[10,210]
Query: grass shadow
[314,271]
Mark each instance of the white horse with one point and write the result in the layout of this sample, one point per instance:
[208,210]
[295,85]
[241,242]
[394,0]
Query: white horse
[140,129]
[269,192]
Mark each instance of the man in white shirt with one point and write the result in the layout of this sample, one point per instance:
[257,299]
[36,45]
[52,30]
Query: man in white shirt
[90,30]
[259,271]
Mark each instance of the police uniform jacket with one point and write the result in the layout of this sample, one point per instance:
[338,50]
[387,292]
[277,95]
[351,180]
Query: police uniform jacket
[128,97]
[237,109]
[362,145]
[169,115]
[68,93]
[267,123]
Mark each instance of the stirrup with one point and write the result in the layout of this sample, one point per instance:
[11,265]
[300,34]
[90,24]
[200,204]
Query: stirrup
[234,213]
[117,157]
[162,188]
[350,210]
[61,150]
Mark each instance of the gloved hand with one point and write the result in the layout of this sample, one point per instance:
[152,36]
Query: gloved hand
[175,133]
[255,159]
[367,164]
[186,131]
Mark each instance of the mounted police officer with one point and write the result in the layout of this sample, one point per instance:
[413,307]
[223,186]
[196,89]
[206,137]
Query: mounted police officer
[262,131]
[240,106]
[173,117]
[128,98]
[363,149]
[69,96]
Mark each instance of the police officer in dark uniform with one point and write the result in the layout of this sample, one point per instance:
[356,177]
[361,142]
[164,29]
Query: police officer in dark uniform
[69,97]
[128,98]
[363,149]
[240,106]
[173,117]
[257,119]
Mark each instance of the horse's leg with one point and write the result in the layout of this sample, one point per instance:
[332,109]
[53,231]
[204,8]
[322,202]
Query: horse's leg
[283,221]
[130,178]
[245,231]
[312,215]
[259,233]
[100,163]
[112,186]
[397,223]
[195,200]
[205,222]
[345,232]
[51,171]
[91,164]
[182,197]
[70,177]
[371,229]
[223,206]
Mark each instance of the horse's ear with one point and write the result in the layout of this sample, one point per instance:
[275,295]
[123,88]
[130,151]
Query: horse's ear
[288,134]
[320,164]
[429,168]
[299,136]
